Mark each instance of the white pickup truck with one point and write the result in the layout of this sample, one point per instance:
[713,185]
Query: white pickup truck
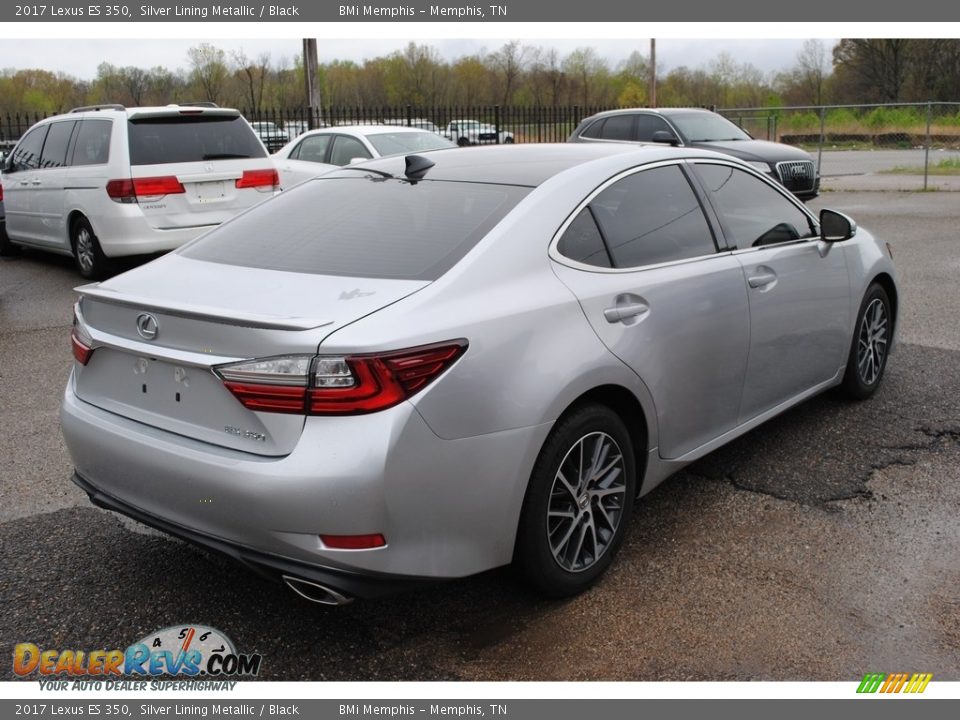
[474,132]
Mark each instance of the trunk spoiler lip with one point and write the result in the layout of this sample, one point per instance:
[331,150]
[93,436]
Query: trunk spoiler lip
[227,317]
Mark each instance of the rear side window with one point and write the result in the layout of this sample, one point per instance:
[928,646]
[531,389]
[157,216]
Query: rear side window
[359,227]
[93,143]
[583,243]
[615,127]
[312,149]
[191,138]
[55,148]
[651,217]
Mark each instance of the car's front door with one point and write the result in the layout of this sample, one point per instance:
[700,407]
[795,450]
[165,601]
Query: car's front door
[20,184]
[798,287]
[642,260]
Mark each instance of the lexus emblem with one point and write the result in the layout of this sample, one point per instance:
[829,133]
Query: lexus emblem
[147,326]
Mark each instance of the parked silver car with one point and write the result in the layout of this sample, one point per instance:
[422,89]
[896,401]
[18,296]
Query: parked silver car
[423,367]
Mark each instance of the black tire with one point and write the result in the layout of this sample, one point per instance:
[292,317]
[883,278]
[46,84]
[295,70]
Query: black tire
[870,345]
[88,257]
[463,142]
[552,566]
[7,248]
[508,141]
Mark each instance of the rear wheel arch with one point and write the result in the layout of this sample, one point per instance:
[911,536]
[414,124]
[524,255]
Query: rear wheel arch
[626,405]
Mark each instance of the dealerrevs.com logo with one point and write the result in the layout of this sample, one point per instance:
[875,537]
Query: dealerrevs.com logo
[185,651]
[890,683]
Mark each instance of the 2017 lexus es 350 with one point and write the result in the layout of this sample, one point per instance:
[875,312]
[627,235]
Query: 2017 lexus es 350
[423,367]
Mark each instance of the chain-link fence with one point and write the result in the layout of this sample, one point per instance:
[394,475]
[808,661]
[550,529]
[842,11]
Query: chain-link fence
[910,146]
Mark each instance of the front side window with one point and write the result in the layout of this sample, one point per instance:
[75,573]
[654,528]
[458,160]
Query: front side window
[652,217]
[26,156]
[647,125]
[93,143]
[752,212]
[345,149]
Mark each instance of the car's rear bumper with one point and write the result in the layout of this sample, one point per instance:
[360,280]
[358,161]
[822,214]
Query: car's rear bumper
[274,567]
[447,508]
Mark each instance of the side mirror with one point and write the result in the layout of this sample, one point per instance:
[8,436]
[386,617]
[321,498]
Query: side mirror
[666,137]
[835,226]
[8,164]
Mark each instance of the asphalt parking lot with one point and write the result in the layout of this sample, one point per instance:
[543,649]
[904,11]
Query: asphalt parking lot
[820,546]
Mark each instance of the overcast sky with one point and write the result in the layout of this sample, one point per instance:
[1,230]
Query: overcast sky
[80,58]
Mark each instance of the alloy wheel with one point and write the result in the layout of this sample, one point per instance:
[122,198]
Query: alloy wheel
[872,342]
[586,502]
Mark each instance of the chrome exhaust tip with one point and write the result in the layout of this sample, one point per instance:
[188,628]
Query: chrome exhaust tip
[315,592]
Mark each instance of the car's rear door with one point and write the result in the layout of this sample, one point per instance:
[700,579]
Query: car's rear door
[641,258]
[798,286]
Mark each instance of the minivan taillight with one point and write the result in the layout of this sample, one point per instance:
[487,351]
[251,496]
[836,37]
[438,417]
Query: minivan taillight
[146,188]
[338,384]
[263,180]
[1,192]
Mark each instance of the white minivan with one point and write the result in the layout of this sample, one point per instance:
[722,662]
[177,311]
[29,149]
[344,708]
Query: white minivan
[106,181]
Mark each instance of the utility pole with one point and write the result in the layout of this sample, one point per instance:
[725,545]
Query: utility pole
[653,72]
[310,76]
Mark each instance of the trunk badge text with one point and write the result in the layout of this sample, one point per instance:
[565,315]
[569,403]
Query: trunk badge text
[147,326]
[246,434]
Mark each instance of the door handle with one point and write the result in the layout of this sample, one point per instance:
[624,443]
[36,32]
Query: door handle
[618,313]
[761,279]
[35,183]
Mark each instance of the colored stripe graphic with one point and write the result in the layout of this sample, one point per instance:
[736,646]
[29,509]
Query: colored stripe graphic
[894,683]
[870,683]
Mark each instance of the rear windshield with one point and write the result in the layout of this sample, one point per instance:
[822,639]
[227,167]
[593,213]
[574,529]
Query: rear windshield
[191,138]
[362,227]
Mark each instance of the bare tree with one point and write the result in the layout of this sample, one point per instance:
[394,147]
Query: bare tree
[208,70]
[509,63]
[813,68]
[255,74]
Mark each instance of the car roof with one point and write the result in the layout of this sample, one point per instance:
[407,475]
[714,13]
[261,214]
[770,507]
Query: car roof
[371,129]
[529,164]
[666,112]
[146,111]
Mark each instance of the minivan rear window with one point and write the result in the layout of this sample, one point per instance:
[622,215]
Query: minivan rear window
[191,138]
[362,227]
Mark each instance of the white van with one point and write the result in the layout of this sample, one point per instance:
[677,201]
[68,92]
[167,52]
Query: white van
[107,181]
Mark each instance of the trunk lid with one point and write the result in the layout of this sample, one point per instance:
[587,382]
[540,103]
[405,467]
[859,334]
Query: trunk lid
[199,319]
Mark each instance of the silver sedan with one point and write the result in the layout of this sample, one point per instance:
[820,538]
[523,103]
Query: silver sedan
[427,366]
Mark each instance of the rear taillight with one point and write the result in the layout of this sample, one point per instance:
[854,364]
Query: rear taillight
[146,188]
[264,180]
[81,343]
[338,385]
[1,193]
